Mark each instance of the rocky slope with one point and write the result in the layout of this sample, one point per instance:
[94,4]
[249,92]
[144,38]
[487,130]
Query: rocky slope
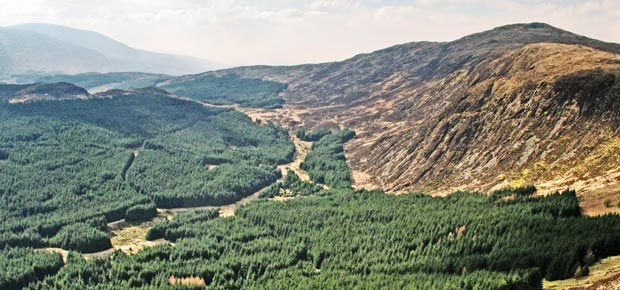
[519,104]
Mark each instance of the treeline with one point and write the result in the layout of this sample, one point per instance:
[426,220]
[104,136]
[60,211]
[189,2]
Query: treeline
[228,89]
[369,240]
[116,80]
[81,237]
[326,162]
[137,115]
[62,181]
[292,186]
[223,185]
[184,225]
[66,164]
[313,135]
[141,212]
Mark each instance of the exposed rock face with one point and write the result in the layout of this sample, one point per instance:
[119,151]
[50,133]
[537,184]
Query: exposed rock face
[520,104]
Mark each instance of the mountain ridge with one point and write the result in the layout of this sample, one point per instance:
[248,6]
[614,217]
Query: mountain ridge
[427,112]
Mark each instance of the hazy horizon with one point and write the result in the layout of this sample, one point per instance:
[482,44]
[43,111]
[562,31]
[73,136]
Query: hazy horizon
[236,32]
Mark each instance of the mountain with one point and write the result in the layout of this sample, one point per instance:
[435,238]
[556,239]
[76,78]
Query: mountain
[520,104]
[47,48]
[27,52]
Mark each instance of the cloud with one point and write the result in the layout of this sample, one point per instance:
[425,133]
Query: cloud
[323,5]
[294,31]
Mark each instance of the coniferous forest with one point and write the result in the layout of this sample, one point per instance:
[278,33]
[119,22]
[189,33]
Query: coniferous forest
[326,162]
[229,89]
[362,239]
[67,168]
[70,167]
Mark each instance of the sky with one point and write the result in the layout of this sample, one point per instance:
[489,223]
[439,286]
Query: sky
[281,32]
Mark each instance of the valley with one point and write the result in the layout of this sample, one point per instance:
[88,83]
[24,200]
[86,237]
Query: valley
[489,162]
[458,119]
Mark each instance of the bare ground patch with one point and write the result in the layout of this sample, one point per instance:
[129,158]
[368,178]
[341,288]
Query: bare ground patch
[188,281]
[131,237]
[302,148]
[363,180]
[597,196]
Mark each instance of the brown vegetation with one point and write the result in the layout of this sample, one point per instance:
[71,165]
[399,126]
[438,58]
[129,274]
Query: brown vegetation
[517,105]
[187,281]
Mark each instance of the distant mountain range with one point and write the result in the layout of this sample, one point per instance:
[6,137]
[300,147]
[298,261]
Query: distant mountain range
[53,49]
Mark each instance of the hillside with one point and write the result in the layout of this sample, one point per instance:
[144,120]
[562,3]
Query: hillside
[26,52]
[99,82]
[70,166]
[53,49]
[519,104]
[41,91]
[227,90]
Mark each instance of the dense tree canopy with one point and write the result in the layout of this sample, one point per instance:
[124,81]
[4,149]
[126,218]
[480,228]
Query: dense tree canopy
[365,239]
[21,266]
[228,89]
[292,186]
[88,162]
[312,136]
[116,80]
[141,212]
[326,162]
